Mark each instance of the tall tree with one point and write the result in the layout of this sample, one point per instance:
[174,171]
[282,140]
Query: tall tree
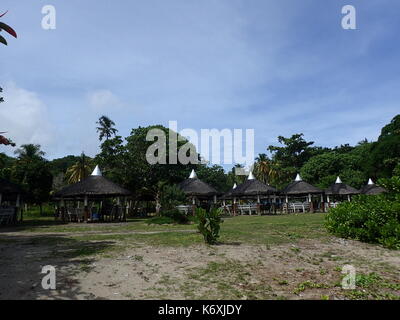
[265,169]
[31,170]
[106,128]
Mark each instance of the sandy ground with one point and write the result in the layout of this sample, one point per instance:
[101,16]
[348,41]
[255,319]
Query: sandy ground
[308,269]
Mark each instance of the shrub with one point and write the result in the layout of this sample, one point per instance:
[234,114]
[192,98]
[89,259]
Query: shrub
[160,220]
[209,224]
[175,215]
[374,219]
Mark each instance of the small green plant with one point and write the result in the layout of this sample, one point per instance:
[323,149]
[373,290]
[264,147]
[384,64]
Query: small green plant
[209,224]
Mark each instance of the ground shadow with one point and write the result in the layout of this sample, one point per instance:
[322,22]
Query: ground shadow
[23,258]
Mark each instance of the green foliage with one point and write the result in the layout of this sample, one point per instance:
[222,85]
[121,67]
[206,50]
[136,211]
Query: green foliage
[374,219]
[175,215]
[171,196]
[290,157]
[323,169]
[392,184]
[209,224]
[214,176]
[161,220]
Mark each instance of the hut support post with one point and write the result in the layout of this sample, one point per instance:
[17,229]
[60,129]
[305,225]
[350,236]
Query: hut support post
[194,206]
[86,209]
[258,206]
[17,205]
[311,203]
[328,203]
[62,210]
[234,206]
[348,198]
[322,203]
[126,211]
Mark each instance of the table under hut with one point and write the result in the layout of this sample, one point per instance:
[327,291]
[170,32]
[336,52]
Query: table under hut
[199,193]
[254,196]
[102,200]
[300,196]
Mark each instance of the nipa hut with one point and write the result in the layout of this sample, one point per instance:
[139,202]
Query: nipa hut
[301,189]
[341,190]
[253,189]
[197,190]
[10,194]
[372,189]
[95,187]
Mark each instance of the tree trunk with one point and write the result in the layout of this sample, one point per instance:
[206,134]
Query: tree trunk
[158,204]
[41,209]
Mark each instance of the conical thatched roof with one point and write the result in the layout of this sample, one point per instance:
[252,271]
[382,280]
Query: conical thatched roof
[371,188]
[300,187]
[7,187]
[253,187]
[228,195]
[193,186]
[93,186]
[340,188]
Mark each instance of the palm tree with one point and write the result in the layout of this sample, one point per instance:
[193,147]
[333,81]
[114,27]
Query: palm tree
[265,169]
[7,29]
[79,171]
[106,128]
[29,152]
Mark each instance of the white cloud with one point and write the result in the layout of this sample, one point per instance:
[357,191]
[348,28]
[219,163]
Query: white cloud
[103,99]
[25,117]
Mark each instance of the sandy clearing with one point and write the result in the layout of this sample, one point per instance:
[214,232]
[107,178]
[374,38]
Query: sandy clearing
[142,271]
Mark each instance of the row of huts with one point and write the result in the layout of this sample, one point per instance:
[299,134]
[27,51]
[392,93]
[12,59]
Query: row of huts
[256,196]
[75,202]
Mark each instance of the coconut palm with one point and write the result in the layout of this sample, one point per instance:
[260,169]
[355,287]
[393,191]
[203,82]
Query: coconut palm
[264,169]
[106,128]
[29,152]
[80,170]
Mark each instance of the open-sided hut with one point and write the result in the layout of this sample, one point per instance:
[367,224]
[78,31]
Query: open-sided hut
[372,189]
[197,190]
[299,188]
[95,187]
[340,189]
[228,195]
[253,189]
[10,194]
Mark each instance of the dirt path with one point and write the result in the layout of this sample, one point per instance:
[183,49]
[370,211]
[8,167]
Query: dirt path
[308,269]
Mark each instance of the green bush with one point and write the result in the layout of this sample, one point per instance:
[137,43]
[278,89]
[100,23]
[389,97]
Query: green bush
[175,215]
[160,220]
[209,224]
[374,219]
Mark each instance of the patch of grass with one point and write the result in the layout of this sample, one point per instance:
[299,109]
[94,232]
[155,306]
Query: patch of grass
[309,285]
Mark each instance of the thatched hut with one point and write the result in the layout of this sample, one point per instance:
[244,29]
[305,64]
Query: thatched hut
[229,194]
[253,189]
[10,194]
[340,189]
[94,187]
[372,189]
[197,190]
[300,189]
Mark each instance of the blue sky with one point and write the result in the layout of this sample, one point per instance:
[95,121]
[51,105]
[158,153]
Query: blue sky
[280,67]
